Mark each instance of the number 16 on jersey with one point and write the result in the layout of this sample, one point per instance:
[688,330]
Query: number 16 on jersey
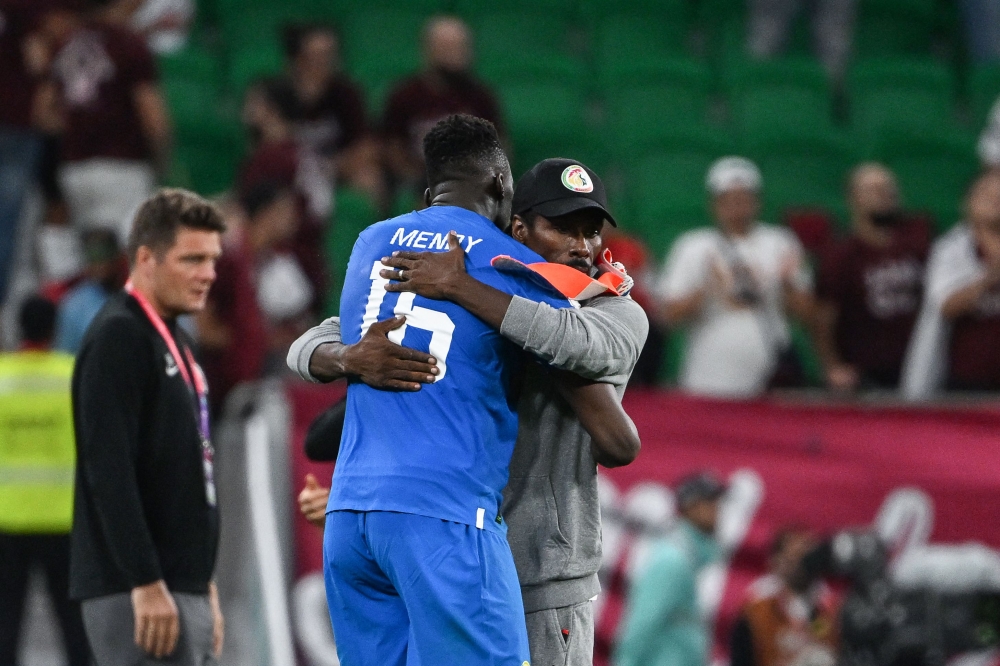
[439,324]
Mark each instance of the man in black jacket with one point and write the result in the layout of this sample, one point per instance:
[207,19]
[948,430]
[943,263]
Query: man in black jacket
[146,524]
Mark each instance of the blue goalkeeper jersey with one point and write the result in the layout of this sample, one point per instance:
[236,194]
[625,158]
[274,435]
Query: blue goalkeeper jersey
[443,451]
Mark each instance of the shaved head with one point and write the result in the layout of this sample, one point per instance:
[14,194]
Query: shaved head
[448,44]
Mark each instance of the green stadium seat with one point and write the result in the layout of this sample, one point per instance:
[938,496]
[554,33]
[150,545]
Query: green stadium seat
[477,10]
[252,64]
[194,64]
[984,91]
[625,40]
[205,168]
[683,73]
[802,172]
[544,120]
[668,194]
[644,117]
[777,75]
[382,46]
[520,46]
[799,112]
[353,214]
[894,27]
[934,170]
[900,94]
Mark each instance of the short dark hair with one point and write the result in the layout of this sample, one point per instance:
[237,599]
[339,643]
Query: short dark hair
[37,319]
[262,195]
[294,35]
[459,146]
[168,210]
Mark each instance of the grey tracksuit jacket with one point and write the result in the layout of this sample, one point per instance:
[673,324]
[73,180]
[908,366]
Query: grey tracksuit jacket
[550,502]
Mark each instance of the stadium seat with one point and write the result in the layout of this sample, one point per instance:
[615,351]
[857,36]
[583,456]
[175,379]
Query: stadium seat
[544,120]
[802,172]
[249,65]
[525,46]
[894,27]
[205,168]
[624,40]
[668,194]
[984,91]
[382,45]
[353,214]
[686,75]
[192,64]
[477,10]
[799,112]
[934,170]
[900,94]
[778,76]
[644,117]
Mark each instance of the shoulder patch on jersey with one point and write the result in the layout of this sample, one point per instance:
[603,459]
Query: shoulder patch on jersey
[575,178]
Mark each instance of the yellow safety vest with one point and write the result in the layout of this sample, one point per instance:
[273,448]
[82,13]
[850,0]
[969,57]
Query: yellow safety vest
[37,446]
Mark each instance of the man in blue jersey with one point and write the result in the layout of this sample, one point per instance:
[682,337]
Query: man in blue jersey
[417,565]
[567,424]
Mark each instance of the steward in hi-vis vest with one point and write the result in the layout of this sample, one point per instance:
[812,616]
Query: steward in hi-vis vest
[37,452]
[37,467]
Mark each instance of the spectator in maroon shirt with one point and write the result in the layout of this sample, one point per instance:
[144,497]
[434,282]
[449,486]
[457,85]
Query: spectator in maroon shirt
[241,328]
[326,109]
[870,286]
[116,132]
[974,309]
[446,86]
[276,157]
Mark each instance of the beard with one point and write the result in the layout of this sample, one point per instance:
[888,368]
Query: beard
[886,218]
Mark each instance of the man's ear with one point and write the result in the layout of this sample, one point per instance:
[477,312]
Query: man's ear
[518,229]
[499,191]
[427,198]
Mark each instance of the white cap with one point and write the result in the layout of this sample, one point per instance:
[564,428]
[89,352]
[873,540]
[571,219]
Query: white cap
[730,173]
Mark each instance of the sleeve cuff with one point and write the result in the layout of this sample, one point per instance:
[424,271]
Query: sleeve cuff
[301,351]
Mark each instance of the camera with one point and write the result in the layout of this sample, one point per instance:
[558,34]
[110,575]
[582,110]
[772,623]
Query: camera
[883,624]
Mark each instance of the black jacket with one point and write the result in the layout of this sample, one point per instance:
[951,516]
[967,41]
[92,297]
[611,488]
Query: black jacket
[141,512]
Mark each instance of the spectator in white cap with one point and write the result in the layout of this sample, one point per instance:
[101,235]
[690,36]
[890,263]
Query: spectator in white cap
[730,287]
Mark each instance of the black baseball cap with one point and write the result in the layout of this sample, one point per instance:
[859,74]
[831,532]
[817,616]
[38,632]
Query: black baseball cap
[559,186]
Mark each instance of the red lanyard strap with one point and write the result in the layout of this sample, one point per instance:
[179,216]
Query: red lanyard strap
[197,383]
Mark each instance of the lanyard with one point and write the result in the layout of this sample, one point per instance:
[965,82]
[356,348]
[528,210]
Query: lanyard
[196,383]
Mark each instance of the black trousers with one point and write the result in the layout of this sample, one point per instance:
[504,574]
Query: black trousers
[19,553]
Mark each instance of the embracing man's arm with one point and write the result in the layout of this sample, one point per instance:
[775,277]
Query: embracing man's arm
[319,356]
[600,342]
[614,439]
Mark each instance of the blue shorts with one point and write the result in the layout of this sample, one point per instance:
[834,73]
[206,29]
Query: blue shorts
[407,590]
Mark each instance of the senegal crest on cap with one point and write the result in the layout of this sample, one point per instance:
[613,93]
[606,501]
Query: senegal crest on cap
[576,178]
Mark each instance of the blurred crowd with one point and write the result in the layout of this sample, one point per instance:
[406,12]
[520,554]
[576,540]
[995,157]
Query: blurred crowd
[745,303]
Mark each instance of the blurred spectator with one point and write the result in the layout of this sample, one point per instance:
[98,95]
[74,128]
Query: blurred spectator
[20,142]
[771,23]
[35,518]
[955,342]
[276,157]
[326,108]
[165,23]
[104,94]
[103,275]
[982,29]
[869,286]
[789,618]
[445,86]
[663,625]
[633,253]
[731,286]
[259,292]
[989,140]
